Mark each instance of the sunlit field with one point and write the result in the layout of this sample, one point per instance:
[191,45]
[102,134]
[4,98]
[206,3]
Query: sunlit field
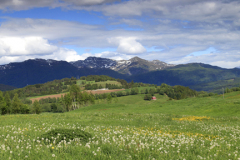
[130,129]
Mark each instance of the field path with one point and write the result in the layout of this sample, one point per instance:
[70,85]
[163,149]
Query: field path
[62,94]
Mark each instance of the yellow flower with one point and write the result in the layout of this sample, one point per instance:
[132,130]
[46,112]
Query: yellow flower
[52,147]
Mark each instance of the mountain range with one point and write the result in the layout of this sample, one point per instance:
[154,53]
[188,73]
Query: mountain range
[132,66]
[35,71]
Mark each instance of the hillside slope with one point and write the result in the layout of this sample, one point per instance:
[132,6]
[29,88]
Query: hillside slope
[217,86]
[187,75]
[4,87]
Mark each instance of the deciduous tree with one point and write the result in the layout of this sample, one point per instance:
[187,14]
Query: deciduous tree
[16,103]
[36,107]
[67,101]
[8,102]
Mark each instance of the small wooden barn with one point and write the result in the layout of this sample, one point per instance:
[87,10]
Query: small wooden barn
[154,98]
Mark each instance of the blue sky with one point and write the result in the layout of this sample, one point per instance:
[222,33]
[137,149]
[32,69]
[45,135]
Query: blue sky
[172,31]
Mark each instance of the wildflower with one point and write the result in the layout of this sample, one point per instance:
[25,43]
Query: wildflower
[52,147]
[53,155]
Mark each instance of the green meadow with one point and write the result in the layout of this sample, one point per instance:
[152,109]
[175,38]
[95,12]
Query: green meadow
[129,128]
[82,82]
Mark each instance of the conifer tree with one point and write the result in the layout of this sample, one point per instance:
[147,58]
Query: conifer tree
[2,104]
[8,102]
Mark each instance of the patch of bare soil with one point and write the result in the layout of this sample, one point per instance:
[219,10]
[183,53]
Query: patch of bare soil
[93,92]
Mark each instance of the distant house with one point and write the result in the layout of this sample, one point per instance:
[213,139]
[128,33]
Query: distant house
[154,98]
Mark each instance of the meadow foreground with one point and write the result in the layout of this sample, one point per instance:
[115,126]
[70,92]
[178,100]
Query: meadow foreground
[129,129]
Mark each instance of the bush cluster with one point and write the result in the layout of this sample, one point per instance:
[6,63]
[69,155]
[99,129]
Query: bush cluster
[59,135]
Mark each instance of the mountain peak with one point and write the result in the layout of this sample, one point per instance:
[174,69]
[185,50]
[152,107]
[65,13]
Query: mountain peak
[136,59]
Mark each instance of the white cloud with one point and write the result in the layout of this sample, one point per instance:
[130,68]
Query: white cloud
[25,46]
[15,49]
[64,54]
[113,55]
[128,45]
[60,54]
[226,64]
[224,60]
[28,4]
[88,2]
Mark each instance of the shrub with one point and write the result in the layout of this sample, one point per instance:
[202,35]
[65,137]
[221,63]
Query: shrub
[61,109]
[53,107]
[67,135]
[148,97]
[46,108]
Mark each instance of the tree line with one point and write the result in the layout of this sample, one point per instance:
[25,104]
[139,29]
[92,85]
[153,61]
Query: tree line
[53,87]
[16,106]
[173,92]
[96,86]
[97,78]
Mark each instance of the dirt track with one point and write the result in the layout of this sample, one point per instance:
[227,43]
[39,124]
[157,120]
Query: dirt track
[93,92]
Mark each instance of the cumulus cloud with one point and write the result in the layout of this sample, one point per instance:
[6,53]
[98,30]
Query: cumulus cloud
[194,10]
[64,54]
[60,54]
[191,10]
[128,45]
[113,55]
[89,2]
[28,4]
[25,46]
[15,49]
[221,59]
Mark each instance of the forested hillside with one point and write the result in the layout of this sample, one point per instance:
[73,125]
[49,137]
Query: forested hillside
[4,87]
[187,75]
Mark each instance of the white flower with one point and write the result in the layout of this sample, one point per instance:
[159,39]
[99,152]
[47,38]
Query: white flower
[53,155]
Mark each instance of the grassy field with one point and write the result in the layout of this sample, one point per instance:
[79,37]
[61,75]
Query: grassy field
[131,128]
[79,82]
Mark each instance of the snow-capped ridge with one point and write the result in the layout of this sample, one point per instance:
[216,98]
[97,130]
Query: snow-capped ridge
[135,64]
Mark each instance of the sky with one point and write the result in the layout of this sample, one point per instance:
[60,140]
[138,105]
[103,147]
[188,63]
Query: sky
[173,31]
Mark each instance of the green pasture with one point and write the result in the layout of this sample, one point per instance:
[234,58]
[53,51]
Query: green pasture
[79,82]
[45,95]
[131,128]
[199,106]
